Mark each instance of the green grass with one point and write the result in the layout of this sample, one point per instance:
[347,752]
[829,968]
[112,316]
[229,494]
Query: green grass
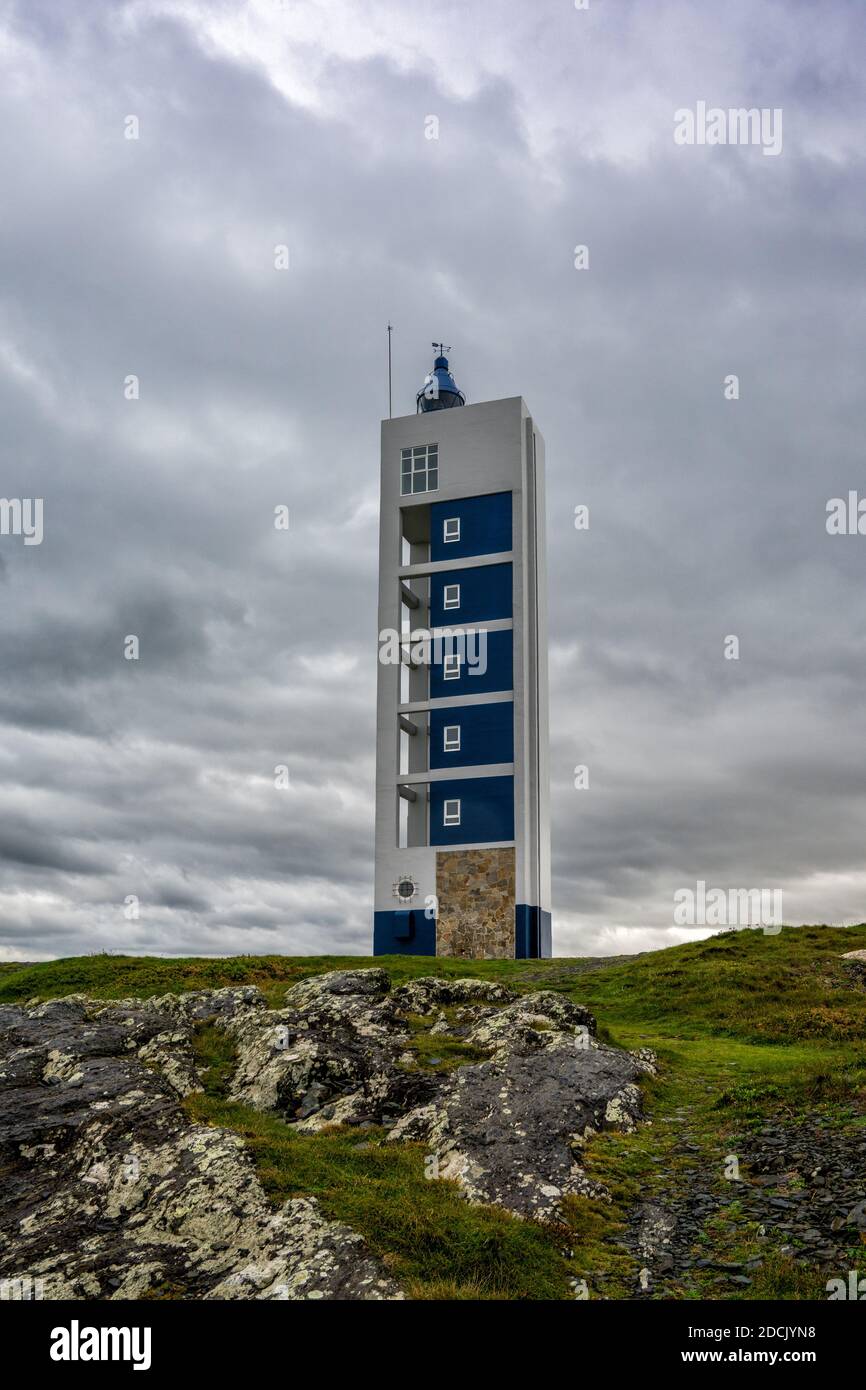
[762,988]
[216,1059]
[742,984]
[437,1051]
[108,976]
[746,1025]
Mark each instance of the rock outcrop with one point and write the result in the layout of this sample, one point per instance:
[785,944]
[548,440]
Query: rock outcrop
[331,1055]
[509,1129]
[112,1191]
[854,964]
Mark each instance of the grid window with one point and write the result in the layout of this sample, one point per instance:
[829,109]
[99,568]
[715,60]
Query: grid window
[451,667]
[451,528]
[452,738]
[451,597]
[419,469]
[451,812]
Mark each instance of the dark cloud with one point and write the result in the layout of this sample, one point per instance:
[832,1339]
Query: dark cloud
[263,125]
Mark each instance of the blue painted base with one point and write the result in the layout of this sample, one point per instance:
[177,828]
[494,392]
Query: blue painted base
[410,933]
[532,933]
[407,933]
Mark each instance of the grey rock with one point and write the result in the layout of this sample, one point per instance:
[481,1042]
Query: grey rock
[510,1130]
[93,1094]
[857,1216]
[333,1055]
[111,1191]
[432,992]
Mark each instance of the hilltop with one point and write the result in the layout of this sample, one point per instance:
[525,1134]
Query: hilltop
[746,1182]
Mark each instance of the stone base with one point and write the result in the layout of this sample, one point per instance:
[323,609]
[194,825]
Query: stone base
[475,889]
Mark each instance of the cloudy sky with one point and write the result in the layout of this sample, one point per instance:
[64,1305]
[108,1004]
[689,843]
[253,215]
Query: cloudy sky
[306,125]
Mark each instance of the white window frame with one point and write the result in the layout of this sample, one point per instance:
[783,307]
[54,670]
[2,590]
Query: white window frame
[451,666]
[453,521]
[419,469]
[451,816]
[451,596]
[451,744]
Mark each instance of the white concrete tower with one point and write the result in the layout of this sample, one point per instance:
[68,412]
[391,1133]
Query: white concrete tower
[462,781]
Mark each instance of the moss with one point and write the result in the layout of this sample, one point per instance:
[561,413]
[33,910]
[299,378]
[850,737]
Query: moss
[439,1051]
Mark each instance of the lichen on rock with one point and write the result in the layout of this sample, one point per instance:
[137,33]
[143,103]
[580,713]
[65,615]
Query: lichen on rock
[510,1130]
[112,1191]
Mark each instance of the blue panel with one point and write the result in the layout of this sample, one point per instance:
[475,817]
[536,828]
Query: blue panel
[485,526]
[485,593]
[486,810]
[486,734]
[525,932]
[532,933]
[393,935]
[493,673]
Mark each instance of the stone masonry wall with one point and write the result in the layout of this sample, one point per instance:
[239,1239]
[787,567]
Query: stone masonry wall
[475,888]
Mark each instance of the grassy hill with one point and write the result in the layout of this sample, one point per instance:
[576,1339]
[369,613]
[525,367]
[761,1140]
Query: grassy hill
[757,1036]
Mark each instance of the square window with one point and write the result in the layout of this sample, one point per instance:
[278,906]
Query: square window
[451,596]
[452,738]
[451,813]
[451,529]
[419,468]
[451,667]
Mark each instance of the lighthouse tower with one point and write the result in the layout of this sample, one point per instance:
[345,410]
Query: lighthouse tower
[462,800]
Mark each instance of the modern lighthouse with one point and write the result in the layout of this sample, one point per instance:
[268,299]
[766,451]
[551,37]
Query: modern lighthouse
[462,782]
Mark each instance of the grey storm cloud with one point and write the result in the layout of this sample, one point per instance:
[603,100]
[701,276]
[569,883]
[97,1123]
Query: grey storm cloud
[265,125]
